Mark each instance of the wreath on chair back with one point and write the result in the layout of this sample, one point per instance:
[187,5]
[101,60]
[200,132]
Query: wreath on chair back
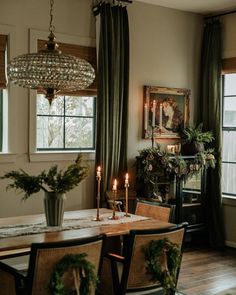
[83,270]
[162,262]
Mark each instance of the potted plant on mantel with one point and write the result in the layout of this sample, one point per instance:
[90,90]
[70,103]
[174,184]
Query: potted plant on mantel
[55,183]
[194,139]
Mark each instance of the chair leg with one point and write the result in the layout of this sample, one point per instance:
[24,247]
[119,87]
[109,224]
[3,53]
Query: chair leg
[115,277]
[105,286]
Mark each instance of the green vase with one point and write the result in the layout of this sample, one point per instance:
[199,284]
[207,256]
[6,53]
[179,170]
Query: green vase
[54,208]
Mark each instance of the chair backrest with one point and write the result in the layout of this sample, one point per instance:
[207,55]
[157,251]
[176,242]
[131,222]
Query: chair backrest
[7,282]
[44,257]
[163,212]
[135,276]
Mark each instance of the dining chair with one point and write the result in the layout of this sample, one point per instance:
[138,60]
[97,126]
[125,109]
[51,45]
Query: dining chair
[54,263]
[131,273]
[160,211]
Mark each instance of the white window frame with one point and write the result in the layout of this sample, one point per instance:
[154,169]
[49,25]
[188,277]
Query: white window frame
[228,198]
[38,156]
[8,155]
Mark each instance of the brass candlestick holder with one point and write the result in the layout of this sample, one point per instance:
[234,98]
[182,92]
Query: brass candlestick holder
[126,198]
[98,218]
[114,216]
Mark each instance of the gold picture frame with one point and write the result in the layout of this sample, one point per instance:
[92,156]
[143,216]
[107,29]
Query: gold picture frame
[165,111]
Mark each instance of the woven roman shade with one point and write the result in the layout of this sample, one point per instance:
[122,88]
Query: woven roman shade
[3,44]
[83,52]
[229,65]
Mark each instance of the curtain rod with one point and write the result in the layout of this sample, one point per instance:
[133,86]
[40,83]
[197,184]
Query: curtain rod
[221,14]
[96,6]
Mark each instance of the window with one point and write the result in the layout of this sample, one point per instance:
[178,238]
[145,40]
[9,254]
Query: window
[3,46]
[69,124]
[229,135]
[59,132]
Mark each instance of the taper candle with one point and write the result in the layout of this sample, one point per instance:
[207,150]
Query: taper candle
[99,171]
[145,116]
[153,112]
[98,177]
[126,194]
[126,178]
[114,190]
[160,118]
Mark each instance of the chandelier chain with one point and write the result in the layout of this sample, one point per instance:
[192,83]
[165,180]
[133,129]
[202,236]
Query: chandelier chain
[51,27]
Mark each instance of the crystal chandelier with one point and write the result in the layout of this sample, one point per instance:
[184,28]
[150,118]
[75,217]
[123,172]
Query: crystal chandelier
[50,71]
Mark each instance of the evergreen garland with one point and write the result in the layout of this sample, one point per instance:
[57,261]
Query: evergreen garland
[80,264]
[159,166]
[166,274]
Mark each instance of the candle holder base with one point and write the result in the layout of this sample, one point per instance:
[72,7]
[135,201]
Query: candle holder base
[97,219]
[114,217]
[127,215]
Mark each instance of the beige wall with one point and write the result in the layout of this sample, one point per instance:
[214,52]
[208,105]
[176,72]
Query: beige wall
[229,50]
[165,46]
[165,51]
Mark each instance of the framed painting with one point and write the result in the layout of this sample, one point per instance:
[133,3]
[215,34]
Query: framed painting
[165,111]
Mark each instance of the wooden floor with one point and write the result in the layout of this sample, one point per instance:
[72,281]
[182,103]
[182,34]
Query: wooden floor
[207,272]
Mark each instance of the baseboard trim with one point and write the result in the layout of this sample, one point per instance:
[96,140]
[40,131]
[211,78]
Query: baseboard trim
[230,244]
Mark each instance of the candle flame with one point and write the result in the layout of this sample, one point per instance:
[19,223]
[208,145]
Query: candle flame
[99,172]
[114,188]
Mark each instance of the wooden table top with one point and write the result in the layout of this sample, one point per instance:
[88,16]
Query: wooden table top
[13,246]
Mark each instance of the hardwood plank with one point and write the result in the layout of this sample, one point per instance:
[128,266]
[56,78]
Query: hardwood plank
[206,272]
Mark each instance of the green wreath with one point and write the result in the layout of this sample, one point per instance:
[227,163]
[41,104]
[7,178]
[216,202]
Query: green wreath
[80,264]
[172,254]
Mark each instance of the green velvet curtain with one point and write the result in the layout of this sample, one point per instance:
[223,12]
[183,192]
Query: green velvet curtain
[210,113]
[112,100]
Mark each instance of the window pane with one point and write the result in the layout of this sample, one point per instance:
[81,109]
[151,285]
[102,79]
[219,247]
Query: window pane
[79,106]
[229,111]
[193,183]
[49,132]
[230,84]
[76,113]
[44,108]
[229,146]
[79,133]
[229,178]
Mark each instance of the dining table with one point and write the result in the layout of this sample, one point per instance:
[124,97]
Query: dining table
[16,239]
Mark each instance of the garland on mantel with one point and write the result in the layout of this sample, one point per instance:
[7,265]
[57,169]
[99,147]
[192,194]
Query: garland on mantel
[156,163]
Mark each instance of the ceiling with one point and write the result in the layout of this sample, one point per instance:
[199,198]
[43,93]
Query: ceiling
[197,6]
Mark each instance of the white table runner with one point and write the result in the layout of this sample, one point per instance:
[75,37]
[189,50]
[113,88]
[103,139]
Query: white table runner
[68,224]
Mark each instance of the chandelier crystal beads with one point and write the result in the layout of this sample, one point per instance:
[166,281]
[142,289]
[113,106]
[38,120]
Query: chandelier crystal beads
[50,71]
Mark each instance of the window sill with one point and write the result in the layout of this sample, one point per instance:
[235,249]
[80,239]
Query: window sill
[7,158]
[61,156]
[229,201]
